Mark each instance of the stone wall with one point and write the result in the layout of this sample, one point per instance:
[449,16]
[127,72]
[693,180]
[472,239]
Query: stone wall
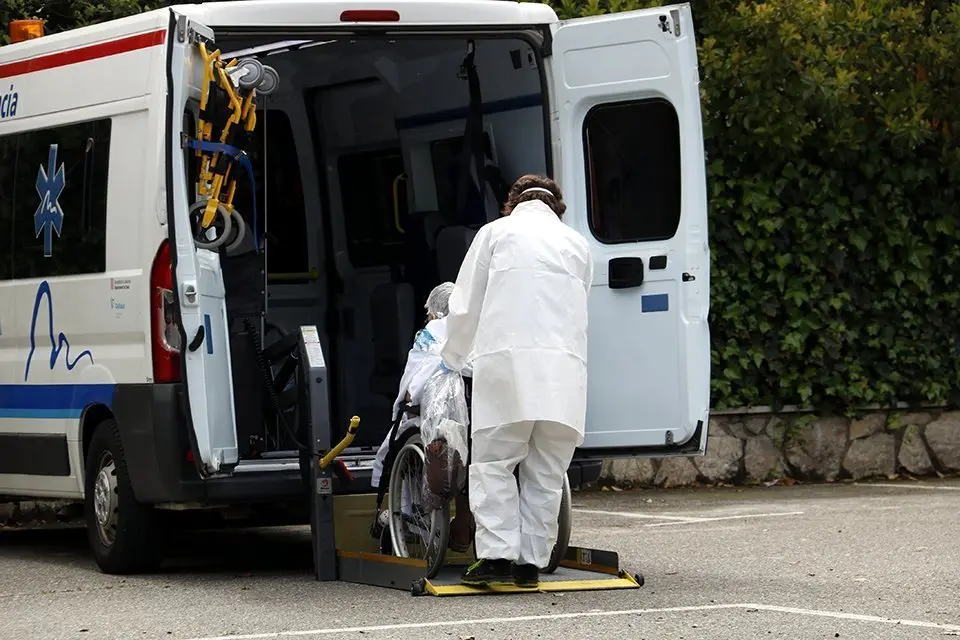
[756,448]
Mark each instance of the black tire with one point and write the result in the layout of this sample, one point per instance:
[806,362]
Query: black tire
[129,541]
[565,525]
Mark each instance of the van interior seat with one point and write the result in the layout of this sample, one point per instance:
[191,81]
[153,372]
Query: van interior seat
[452,245]
[392,312]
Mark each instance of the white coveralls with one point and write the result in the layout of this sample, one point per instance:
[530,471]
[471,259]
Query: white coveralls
[519,314]
[422,362]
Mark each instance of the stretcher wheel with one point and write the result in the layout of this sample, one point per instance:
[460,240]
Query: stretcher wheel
[240,232]
[221,224]
[639,578]
[270,81]
[253,75]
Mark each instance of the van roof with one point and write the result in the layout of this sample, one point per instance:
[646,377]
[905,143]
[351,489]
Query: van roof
[289,13]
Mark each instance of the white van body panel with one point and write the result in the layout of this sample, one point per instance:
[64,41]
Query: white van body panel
[47,373]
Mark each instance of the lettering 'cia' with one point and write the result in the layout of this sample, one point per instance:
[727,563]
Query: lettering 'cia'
[8,103]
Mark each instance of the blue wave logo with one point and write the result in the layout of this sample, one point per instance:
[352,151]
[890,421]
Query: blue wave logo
[58,345]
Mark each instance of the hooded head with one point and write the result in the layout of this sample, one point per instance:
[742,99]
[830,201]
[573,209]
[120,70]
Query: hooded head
[438,302]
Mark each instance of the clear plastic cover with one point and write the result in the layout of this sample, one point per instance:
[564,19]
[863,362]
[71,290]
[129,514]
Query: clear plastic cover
[444,420]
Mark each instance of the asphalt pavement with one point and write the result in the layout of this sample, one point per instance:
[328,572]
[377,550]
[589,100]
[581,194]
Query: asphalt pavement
[834,561]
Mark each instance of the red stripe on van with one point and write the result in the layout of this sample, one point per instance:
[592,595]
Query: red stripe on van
[84,54]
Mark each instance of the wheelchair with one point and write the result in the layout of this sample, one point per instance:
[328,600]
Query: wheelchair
[413,531]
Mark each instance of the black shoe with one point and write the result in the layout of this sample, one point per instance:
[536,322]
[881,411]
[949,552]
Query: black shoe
[526,576]
[487,573]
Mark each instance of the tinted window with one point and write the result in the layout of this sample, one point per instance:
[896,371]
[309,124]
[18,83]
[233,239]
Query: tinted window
[366,190]
[58,204]
[8,150]
[280,195]
[633,169]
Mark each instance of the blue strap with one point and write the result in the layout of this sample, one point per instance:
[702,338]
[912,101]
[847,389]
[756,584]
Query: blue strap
[238,155]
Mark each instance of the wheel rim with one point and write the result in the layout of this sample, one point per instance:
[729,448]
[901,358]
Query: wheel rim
[105,504]
[416,534]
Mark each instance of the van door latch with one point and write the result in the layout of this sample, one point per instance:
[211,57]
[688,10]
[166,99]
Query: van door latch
[190,294]
[686,277]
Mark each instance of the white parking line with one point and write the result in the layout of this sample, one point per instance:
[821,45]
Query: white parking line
[740,517]
[639,516]
[588,614]
[925,487]
[678,520]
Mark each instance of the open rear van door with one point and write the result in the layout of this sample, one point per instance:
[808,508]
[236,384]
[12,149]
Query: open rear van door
[628,135]
[199,281]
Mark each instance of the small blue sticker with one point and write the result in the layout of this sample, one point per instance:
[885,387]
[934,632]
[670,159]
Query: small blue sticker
[207,334]
[49,216]
[654,303]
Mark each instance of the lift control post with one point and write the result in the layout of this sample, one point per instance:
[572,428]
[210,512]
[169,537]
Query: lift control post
[317,408]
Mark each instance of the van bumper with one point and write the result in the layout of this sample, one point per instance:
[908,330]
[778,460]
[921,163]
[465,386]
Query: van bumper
[155,438]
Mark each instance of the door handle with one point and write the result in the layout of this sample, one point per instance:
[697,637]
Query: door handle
[625,273]
[686,277]
[197,340]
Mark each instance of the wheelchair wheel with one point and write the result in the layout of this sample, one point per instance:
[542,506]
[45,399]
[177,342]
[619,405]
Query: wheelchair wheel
[414,531]
[565,522]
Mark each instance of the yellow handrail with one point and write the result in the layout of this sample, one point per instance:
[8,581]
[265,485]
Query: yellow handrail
[311,275]
[343,444]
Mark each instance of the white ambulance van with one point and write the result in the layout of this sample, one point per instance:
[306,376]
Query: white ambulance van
[129,371]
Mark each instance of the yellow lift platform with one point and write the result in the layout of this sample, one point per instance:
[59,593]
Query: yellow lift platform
[339,524]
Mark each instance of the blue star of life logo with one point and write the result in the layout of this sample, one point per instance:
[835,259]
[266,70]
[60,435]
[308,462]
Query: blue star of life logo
[49,216]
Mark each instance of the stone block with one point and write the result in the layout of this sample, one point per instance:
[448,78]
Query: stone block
[761,458]
[630,472]
[867,426]
[722,460]
[943,437]
[913,454]
[817,449]
[871,456]
[676,472]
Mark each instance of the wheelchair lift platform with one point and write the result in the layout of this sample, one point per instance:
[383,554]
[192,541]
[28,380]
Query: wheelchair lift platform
[339,524]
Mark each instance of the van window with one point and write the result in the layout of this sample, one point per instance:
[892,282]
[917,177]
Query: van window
[8,150]
[280,195]
[59,200]
[367,192]
[446,157]
[633,169]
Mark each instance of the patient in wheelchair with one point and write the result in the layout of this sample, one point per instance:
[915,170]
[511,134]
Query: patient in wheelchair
[423,361]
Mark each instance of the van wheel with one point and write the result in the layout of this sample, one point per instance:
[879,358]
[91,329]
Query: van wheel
[122,532]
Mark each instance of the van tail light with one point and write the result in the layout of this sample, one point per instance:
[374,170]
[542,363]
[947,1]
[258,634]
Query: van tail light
[370,15]
[164,333]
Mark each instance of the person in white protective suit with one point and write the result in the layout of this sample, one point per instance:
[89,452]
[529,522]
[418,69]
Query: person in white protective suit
[518,315]
[423,361]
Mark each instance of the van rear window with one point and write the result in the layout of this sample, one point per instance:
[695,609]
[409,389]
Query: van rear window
[53,200]
[633,169]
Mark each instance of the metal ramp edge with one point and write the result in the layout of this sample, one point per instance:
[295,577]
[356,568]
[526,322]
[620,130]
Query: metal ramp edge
[581,570]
